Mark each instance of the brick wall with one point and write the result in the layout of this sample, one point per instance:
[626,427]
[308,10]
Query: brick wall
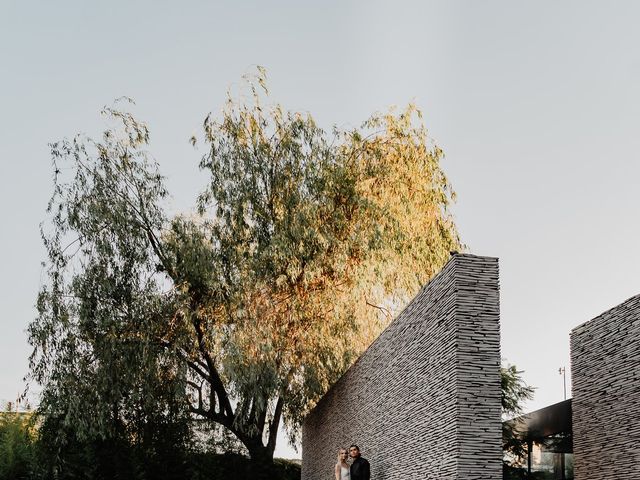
[605,370]
[423,402]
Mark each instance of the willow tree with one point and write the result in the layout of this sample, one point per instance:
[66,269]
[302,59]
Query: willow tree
[304,245]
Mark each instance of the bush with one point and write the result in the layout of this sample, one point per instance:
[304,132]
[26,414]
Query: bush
[211,466]
[17,446]
[30,453]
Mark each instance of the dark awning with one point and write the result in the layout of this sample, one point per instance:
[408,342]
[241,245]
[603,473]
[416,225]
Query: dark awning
[552,420]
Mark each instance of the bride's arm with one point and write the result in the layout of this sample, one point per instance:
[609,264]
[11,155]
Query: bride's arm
[337,470]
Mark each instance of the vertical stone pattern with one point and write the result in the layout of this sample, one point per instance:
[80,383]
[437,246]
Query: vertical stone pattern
[605,371]
[423,402]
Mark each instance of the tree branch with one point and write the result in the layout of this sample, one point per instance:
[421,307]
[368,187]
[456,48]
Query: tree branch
[386,312]
[198,388]
[215,379]
[274,425]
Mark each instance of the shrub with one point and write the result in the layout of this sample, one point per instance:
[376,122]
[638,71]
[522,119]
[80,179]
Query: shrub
[17,446]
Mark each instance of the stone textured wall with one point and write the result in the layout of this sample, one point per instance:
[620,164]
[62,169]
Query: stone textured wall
[423,402]
[605,370]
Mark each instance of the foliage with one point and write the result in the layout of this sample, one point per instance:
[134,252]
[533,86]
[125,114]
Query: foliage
[208,466]
[17,451]
[29,453]
[514,393]
[162,451]
[303,247]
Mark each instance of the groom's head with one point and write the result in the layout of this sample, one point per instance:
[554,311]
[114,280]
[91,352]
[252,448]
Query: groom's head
[354,451]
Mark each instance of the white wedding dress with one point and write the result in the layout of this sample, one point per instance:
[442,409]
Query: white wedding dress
[344,473]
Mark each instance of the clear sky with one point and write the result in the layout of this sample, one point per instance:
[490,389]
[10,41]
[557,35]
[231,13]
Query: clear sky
[536,105]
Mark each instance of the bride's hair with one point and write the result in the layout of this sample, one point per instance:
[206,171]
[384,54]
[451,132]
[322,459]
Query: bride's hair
[340,450]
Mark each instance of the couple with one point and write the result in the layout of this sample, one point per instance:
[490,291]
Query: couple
[359,468]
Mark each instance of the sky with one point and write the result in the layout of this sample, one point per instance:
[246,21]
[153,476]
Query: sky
[535,104]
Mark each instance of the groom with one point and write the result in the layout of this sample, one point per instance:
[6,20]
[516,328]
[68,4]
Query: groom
[359,469]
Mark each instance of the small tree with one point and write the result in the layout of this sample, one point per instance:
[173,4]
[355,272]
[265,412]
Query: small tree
[514,393]
[302,249]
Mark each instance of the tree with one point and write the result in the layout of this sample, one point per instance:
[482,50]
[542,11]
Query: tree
[241,312]
[514,393]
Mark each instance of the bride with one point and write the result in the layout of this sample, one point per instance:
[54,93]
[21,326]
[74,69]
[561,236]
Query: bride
[342,467]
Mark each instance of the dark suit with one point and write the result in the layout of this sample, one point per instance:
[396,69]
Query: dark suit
[360,469]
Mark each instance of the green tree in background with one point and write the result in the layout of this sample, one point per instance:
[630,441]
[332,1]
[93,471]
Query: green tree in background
[514,393]
[303,247]
[17,451]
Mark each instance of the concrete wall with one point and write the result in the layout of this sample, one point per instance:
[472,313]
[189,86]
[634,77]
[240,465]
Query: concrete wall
[423,402]
[605,368]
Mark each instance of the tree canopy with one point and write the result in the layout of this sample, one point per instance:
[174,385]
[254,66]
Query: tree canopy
[302,247]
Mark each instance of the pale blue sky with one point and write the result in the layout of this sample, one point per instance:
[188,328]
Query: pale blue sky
[536,105]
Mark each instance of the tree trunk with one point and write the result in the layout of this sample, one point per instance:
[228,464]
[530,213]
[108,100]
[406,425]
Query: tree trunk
[261,464]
